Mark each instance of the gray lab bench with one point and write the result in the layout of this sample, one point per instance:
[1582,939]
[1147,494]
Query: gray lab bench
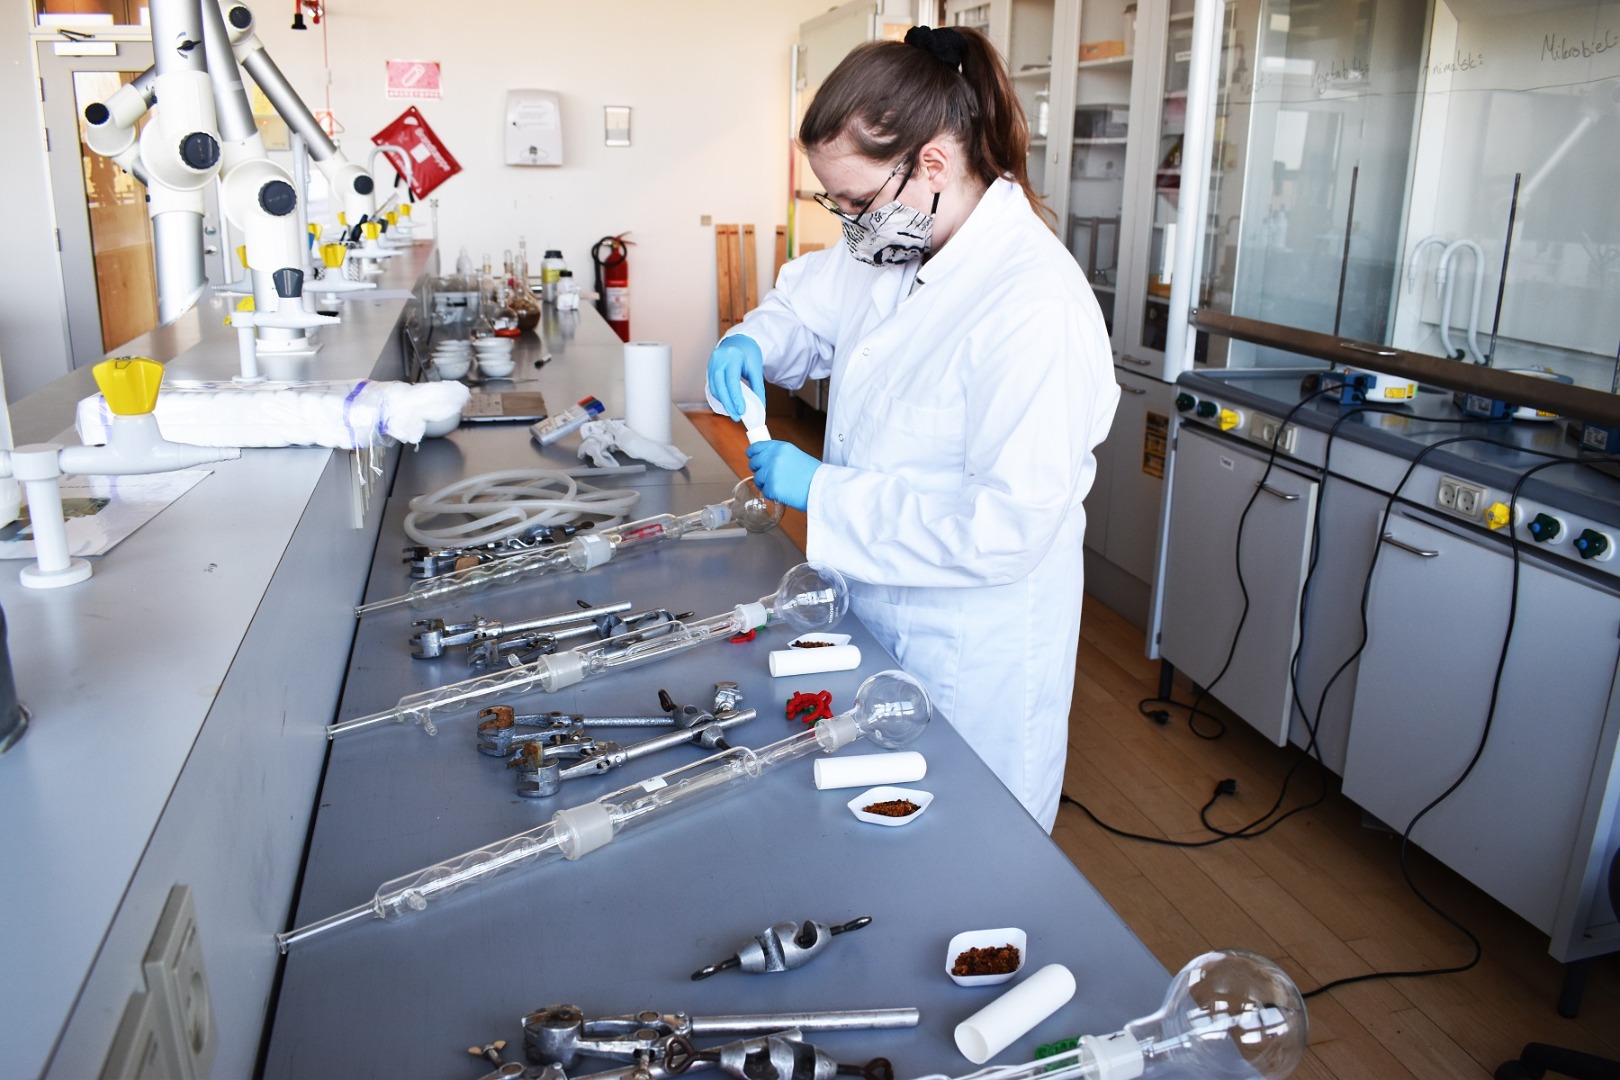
[622,929]
[177,699]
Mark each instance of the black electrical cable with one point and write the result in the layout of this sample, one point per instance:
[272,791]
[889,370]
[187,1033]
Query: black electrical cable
[1491,710]
[1227,787]
[1194,711]
[1261,825]
[1311,723]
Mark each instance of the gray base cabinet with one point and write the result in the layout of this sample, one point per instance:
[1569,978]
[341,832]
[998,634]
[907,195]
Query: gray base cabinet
[1206,608]
[1423,708]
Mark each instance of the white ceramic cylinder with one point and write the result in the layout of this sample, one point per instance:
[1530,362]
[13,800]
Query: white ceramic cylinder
[869,770]
[813,661]
[994,1028]
[646,389]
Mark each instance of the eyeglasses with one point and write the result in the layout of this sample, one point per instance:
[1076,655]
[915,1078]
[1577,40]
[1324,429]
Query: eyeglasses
[837,211]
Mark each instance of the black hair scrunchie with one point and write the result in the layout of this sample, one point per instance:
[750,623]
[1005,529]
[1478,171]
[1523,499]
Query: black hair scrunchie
[947,45]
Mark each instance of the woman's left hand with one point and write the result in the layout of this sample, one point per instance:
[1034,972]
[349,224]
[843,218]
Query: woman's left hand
[783,472]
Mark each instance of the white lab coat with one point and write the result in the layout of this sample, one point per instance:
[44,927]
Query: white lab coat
[966,398]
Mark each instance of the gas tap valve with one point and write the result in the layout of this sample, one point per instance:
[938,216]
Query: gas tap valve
[782,947]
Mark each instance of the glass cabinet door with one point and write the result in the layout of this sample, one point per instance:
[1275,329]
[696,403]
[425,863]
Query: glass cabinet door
[1311,218]
[1023,31]
[1164,171]
[1104,67]
[1437,177]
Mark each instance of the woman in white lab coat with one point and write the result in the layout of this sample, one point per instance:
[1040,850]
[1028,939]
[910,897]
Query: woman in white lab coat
[971,378]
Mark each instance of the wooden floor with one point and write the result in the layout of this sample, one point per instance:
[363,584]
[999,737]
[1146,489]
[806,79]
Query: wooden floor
[1321,894]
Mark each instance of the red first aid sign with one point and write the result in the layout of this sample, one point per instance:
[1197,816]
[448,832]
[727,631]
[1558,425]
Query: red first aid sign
[412,78]
[430,161]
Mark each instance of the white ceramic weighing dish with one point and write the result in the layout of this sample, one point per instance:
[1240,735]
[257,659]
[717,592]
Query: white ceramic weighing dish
[887,793]
[986,939]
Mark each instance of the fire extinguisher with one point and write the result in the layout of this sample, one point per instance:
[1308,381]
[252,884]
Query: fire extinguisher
[612,257]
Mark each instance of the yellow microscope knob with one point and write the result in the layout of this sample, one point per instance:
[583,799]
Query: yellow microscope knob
[129,383]
[1496,515]
[332,255]
[241,255]
[370,230]
[315,230]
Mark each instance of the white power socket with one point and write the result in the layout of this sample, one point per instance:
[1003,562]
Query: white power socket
[144,1047]
[1264,430]
[1465,499]
[169,1030]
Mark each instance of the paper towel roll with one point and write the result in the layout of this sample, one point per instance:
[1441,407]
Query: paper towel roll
[811,661]
[993,1028]
[868,770]
[646,389]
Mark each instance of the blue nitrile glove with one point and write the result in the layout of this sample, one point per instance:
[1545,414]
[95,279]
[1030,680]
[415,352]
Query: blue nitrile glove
[783,471]
[736,358]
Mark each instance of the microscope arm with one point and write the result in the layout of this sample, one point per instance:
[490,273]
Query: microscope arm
[256,194]
[111,125]
[352,184]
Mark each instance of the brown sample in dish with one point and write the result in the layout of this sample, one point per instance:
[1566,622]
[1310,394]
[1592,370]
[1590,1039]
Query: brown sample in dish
[992,960]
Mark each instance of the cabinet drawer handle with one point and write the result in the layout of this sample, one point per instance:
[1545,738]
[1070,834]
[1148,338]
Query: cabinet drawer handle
[1131,390]
[1129,359]
[1389,538]
[1283,495]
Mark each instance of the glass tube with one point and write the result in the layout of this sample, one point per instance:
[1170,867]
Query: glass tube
[441,590]
[747,507]
[809,598]
[891,708]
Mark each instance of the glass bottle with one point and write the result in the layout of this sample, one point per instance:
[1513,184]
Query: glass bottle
[503,320]
[522,299]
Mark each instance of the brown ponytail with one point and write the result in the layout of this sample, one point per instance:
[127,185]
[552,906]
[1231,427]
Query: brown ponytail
[890,98]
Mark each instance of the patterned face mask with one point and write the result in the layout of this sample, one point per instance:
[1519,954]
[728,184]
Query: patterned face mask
[892,234]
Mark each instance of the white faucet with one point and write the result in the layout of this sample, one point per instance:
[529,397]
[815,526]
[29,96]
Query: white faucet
[134,445]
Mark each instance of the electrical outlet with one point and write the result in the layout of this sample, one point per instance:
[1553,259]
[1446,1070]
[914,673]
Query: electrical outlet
[1467,500]
[1470,501]
[143,1048]
[177,983]
[1263,430]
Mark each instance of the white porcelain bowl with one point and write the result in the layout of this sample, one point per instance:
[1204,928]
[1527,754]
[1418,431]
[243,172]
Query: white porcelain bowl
[986,939]
[436,429]
[452,367]
[496,367]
